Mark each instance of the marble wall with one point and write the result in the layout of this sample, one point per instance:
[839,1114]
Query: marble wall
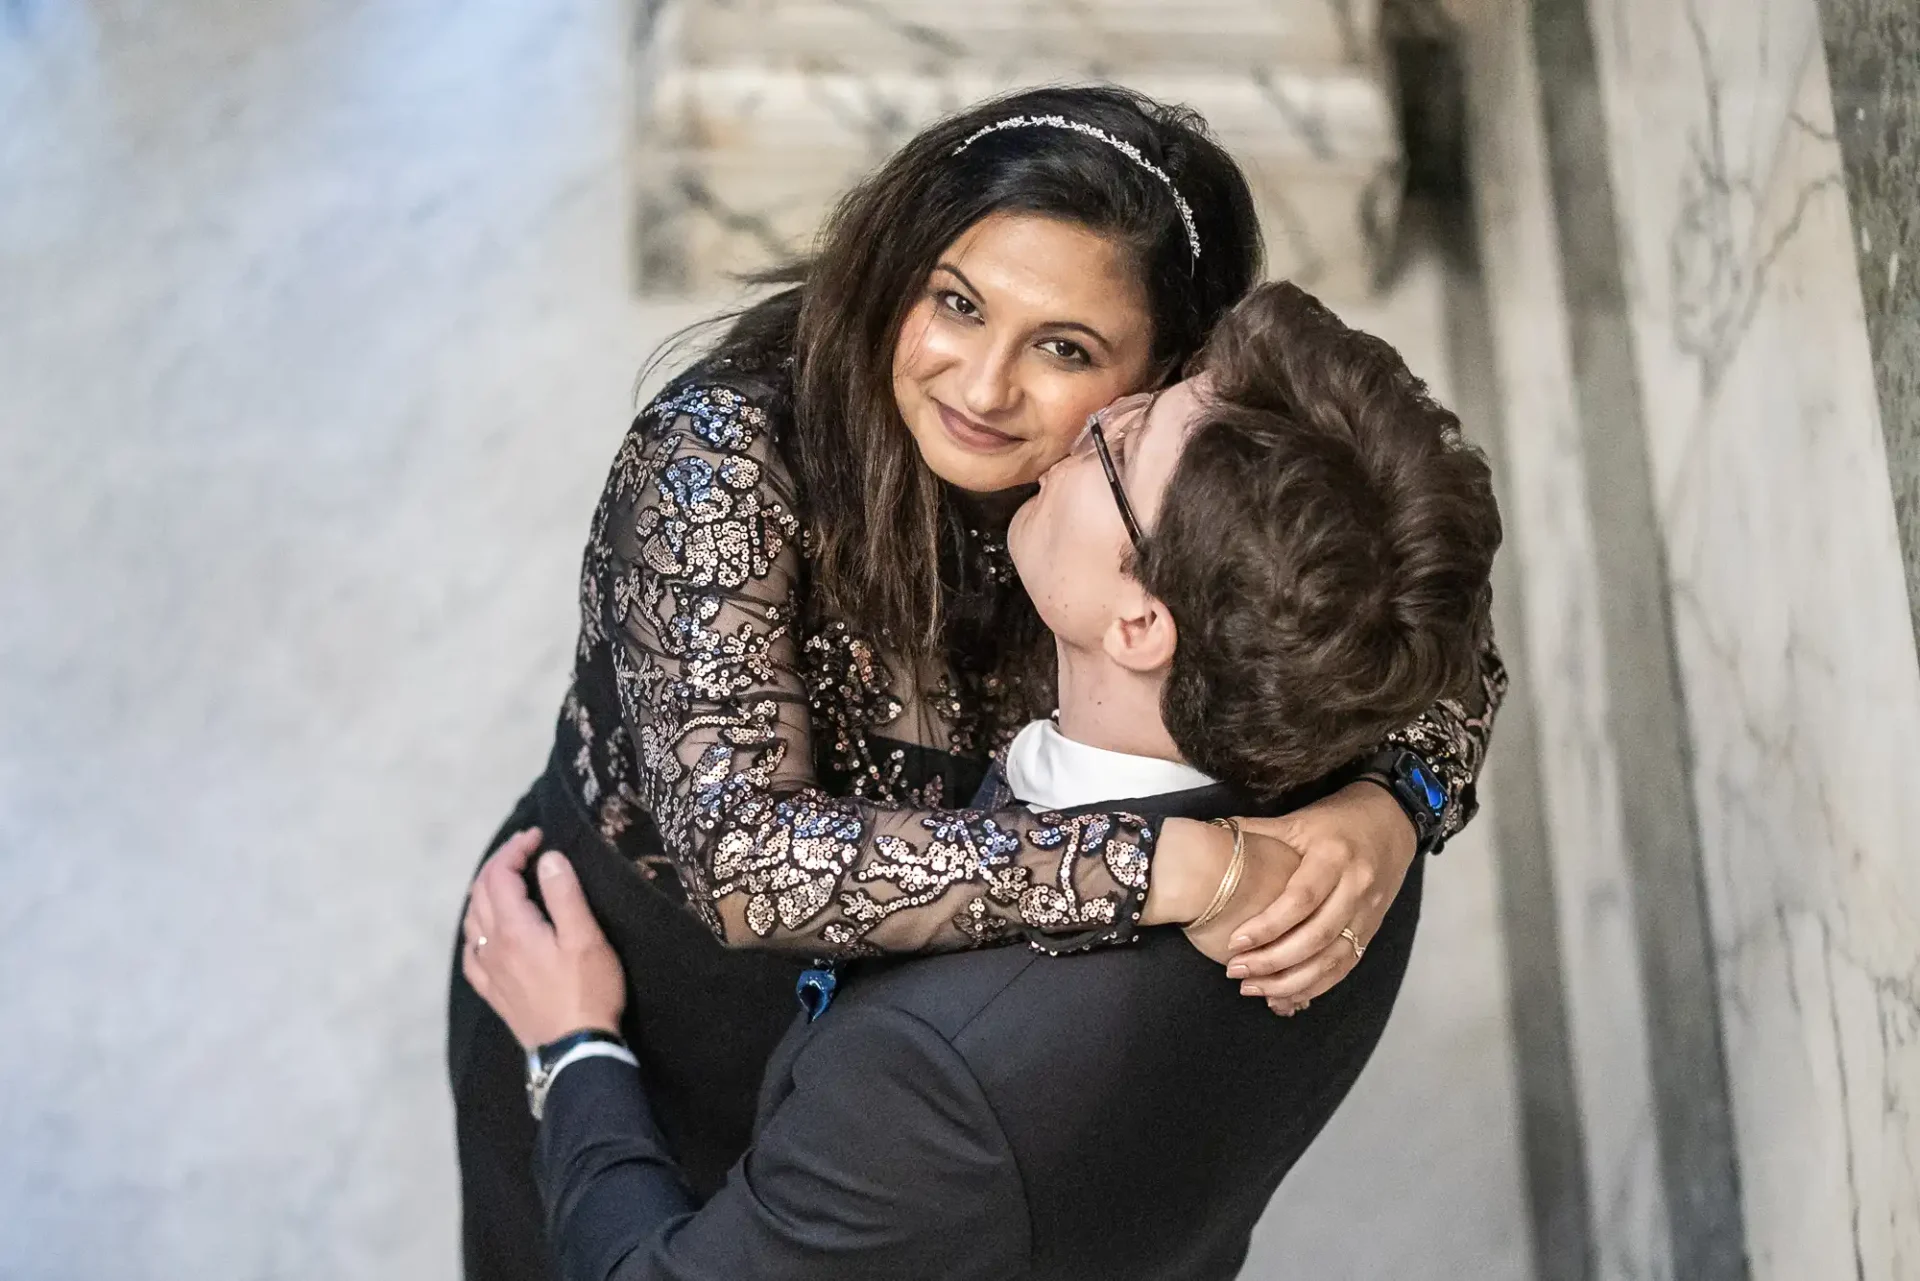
[757,114]
[1689,400]
[1801,686]
[1612,1197]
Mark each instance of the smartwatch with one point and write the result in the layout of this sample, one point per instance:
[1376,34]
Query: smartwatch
[1411,782]
[544,1062]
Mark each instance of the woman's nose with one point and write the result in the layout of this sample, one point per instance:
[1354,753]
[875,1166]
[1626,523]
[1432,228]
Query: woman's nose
[990,388]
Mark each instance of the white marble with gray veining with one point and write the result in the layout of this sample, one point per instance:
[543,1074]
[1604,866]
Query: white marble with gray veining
[909,34]
[1563,670]
[1797,657]
[757,118]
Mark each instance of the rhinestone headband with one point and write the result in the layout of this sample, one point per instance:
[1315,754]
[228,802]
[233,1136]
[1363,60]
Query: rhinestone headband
[1125,148]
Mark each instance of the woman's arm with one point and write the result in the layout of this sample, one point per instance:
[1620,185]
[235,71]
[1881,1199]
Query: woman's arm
[694,576]
[1452,739]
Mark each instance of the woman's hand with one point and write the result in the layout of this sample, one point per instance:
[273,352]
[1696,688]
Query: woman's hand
[1355,849]
[544,980]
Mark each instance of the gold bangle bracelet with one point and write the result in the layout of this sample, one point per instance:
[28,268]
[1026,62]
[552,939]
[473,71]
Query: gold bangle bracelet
[1229,882]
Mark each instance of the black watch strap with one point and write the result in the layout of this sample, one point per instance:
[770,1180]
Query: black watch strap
[1410,781]
[545,1061]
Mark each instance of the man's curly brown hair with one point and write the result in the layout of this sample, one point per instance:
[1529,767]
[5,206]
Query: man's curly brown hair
[1324,546]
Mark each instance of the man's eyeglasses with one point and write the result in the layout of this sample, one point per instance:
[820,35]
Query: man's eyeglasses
[1106,433]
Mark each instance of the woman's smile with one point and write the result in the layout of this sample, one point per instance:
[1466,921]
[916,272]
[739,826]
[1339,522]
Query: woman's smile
[970,433]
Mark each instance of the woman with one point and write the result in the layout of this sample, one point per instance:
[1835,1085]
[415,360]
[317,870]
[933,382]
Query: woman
[801,638]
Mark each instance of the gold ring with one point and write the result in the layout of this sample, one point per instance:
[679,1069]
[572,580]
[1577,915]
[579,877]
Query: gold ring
[1359,949]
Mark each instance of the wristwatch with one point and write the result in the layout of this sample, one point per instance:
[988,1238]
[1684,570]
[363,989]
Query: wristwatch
[544,1062]
[1411,782]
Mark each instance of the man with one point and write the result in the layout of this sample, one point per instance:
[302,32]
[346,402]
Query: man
[1250,578]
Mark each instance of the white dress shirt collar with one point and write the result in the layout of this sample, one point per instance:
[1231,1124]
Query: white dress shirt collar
[1050,771]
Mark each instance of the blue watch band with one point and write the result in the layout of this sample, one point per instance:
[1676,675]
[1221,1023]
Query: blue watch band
[1411,782]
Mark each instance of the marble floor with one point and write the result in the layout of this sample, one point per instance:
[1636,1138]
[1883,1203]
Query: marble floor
[314,341]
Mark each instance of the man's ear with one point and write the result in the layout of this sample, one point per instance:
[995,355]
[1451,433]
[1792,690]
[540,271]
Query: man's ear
[1142,636]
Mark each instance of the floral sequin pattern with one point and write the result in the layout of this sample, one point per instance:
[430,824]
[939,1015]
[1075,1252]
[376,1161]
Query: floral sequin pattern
[850,691]
[761,752]
[1119,842]
[1452,738]
[789,867]
[963,848]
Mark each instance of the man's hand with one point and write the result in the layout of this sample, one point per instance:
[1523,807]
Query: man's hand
[544,980]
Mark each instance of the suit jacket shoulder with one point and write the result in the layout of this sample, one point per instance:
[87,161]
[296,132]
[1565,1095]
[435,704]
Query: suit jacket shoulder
[1150,1109]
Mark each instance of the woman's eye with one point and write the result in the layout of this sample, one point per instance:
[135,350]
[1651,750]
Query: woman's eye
[1072,352]
[958,304]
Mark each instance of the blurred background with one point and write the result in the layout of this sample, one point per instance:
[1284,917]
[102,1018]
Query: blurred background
[320,322]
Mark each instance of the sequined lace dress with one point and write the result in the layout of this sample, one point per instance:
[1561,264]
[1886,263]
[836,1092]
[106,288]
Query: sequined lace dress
[782,776]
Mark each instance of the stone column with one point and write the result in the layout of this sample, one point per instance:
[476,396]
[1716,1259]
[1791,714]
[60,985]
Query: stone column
[1600,1205]
[1700,501]
[1802,689]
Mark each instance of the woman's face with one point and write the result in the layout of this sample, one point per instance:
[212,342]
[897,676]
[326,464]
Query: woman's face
[1069,542]
[1027,325]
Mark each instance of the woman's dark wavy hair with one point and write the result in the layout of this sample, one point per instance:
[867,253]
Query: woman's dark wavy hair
[886,534]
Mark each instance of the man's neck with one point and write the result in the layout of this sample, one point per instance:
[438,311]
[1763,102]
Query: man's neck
[1103,705]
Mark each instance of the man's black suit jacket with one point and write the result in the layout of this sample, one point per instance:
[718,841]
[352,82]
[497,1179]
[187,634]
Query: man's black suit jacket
[1123,1113]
